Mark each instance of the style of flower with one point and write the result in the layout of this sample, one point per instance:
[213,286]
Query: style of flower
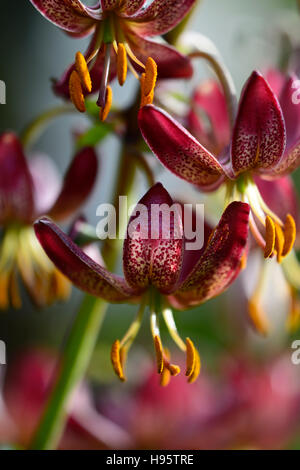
[157,272]
[28,190]
[120,40]
[264,147]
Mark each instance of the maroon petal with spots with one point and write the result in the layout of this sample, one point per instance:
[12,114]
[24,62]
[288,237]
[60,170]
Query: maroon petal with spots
[16,186]
[221,260]
[130,7]
[290,106]
[258,140]
[161,16]
[214,132]
[78,184]
[79,268]
[70,15]
[153,248]
[177,149]
[170,62]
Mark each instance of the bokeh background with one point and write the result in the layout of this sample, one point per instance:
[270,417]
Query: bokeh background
[249,35]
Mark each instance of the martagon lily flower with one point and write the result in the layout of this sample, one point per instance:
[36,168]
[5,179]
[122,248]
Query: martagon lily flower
[264,147]
[157,272]
[120,40]
[28,190]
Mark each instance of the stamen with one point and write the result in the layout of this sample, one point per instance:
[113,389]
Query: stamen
[121,63]
[83,71]
[108,102]
[105,76]
[279,242]
[165,377]
[190,357]
[289,232]
[145,99]
[116,360]
[196,370]
[132,56]
[159,354]
[270,237]
[171,325]
[4,278]
[293,320]
[243,262]
[258,316]
[150,76]
[174,370]
[75,90]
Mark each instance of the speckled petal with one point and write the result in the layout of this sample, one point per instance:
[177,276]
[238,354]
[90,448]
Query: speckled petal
[16,186]
[70,15]
[291,111]
[177,149]
[210,99]
[78,184]
[161,16]
[130,7]
[170,62]
[153,250]
[259,134]
[79,268]
[221,260]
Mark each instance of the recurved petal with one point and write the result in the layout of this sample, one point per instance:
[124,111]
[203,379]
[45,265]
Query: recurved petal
[16,187]
[170,62]
[79,268]
[153,248]
[290,104]
[78,184]
[130,7]
[177,149]
[70,15]
[259,134]
[161,16]
[210,99]
[221,260]
[46,180]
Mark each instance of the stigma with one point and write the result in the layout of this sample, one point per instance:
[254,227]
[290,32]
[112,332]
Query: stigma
[112,45]
[165,367]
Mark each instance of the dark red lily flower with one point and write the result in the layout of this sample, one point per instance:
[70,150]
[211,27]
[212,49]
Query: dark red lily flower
[264,145]
[120,39]
[155,270]
[27,191]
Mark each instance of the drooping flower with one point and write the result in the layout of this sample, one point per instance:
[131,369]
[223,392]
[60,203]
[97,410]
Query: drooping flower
[120,39]
[28,190]
[264,145]
[157,272]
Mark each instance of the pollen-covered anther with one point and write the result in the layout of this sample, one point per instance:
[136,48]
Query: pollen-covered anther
[145,99]
[76,93]
[121,64]
[108,102]
[174,369]
[159,354]
[279,242]
[150,76]
[165,377]
[243,262]
[83,71]
[258,317]
[190,357]
[196,371]
[117,359]
[289,232]
[270,237]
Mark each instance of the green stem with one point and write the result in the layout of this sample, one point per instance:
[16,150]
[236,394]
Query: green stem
[76,358]
[32,132]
